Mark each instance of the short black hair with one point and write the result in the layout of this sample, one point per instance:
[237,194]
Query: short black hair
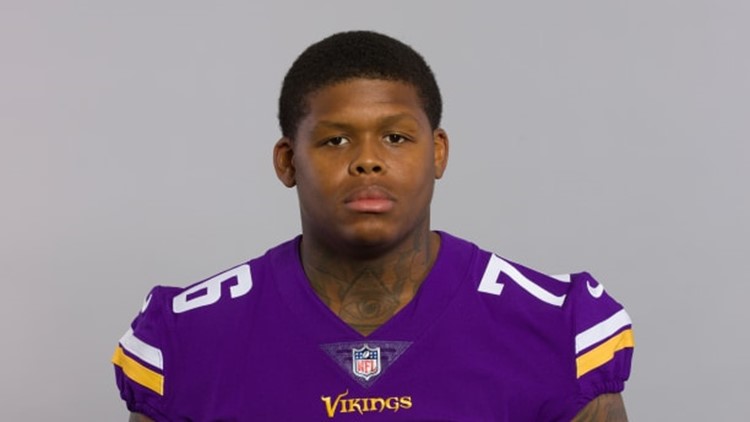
[349,55]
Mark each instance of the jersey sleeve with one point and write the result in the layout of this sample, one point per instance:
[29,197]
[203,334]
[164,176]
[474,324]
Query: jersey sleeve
[139,358]
[603,338]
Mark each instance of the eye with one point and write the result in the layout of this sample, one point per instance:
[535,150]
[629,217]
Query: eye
[337,141]
[395,138]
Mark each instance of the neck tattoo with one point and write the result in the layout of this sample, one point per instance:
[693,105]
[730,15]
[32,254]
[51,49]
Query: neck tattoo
[365,294]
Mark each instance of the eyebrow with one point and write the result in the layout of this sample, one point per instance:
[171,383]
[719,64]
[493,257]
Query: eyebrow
[384,121]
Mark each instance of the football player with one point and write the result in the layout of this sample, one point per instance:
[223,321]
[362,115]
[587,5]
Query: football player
[369,314]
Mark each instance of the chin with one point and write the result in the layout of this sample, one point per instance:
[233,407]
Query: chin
[371,239]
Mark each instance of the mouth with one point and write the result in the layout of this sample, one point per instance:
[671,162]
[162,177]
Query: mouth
[370,199]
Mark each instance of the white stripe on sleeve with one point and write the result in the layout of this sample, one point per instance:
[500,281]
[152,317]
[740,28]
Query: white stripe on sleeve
[142,350]
[602,330]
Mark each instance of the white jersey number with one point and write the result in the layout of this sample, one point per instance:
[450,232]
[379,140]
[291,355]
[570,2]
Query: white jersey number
[209,291]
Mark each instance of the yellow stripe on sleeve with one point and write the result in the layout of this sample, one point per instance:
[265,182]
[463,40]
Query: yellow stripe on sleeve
[138,373]
[604,352]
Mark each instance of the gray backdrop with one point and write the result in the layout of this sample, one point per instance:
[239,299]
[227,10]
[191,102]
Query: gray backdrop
[606,136]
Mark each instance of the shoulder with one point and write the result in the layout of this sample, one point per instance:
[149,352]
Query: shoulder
[174,322]
[574,312]
[574,302]
[144,352]
[221,288]
[516,284]
[567,292]
[574,307]
[579,299]
[163,303]
[165,307]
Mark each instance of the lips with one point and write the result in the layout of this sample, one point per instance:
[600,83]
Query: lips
[370,199]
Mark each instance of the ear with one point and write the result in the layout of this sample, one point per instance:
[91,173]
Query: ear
[283,152]
[440,138]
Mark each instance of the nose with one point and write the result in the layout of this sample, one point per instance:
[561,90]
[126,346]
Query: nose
[367,160]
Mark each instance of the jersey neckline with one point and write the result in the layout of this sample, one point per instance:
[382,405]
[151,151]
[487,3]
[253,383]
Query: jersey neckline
[433,297]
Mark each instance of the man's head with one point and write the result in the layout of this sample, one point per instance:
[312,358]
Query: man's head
[354,55]
[361,144]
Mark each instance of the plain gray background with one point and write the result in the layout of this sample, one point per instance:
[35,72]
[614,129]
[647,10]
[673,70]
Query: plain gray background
[606,136]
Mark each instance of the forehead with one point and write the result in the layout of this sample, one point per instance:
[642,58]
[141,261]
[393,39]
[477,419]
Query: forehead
[361,100]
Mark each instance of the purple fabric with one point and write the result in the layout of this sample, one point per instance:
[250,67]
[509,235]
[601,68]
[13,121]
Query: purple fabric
[454,353]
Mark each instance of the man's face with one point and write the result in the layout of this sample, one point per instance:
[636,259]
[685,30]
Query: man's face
[364,161]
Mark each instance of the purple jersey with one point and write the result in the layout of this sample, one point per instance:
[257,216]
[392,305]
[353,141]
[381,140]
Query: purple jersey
[484,339]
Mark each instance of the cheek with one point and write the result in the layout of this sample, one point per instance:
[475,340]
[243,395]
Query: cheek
[421,172]
[316,177]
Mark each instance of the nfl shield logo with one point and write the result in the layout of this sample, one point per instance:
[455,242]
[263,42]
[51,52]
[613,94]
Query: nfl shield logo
[366,362]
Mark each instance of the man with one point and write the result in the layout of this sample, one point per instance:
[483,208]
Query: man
[370,315]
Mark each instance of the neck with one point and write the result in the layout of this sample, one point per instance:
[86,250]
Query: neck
[366,291]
